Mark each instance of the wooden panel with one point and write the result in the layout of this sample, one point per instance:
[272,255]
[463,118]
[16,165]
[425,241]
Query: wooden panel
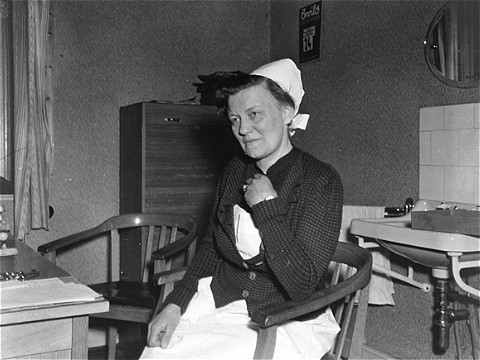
[15,316]
[132,131]
[182,168]
[37,337]
[181,114]
[458,221]
[131,159]
[79,341]
[128,313]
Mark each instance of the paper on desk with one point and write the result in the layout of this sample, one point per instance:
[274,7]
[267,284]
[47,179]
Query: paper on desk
[14,294]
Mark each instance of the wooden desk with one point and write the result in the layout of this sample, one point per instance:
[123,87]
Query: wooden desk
[57,331]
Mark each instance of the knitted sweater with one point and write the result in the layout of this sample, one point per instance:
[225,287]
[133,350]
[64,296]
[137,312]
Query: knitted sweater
[299,231]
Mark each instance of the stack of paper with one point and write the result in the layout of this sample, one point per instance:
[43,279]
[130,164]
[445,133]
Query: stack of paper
[14,294]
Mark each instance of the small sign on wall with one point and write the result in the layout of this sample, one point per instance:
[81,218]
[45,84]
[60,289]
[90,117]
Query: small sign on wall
[310,19]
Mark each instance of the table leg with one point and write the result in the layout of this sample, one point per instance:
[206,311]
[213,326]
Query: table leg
[80,337]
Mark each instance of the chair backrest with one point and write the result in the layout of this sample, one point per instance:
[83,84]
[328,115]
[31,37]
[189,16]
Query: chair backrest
[157,230]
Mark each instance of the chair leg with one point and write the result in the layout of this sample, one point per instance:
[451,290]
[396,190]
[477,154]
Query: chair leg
[358,334]
[267,338]
[165,289]
[157,308]
[112,342]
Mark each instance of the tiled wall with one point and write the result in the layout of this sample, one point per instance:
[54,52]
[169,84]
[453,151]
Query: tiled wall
[450,153]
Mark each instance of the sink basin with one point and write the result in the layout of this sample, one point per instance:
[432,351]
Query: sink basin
[437,250]
[428,248]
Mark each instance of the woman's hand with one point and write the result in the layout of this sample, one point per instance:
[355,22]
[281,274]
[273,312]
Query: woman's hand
[162,326]
[257,189]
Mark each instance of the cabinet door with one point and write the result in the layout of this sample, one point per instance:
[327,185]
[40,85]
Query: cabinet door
[182,168]
[184,148]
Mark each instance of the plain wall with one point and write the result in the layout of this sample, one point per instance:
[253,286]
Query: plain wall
[365,92]
[109,54]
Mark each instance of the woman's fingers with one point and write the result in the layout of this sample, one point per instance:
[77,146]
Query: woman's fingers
[162,326]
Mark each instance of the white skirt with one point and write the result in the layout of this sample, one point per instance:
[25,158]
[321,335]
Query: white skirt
[205,332]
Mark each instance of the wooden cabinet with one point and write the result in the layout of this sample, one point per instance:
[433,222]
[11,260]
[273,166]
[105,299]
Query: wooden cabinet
[170,158]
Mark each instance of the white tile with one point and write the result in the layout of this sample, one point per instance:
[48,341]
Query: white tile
[469,147]
[432,182]
[459,183]
[444,147]
[459,116]
[477,116]
[476,186]
[425,148]
[432,118]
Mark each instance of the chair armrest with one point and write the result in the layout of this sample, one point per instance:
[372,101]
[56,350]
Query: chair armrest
[278,313]
[173,248]
[67,241]
[169,276]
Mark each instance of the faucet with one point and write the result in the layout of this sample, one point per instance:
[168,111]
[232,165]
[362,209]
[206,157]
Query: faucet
[409,205]
[400,211]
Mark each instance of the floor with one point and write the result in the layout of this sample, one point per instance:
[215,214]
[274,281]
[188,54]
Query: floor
[100,353]
[132,342]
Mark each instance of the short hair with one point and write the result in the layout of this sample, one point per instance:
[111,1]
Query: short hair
[240,81]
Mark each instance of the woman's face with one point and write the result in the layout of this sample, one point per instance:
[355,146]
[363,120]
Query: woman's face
[260,124]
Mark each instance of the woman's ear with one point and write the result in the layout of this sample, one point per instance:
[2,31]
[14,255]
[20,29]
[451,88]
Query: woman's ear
[288,115]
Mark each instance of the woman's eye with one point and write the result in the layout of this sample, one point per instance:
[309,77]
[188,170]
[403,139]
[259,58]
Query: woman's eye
[234,120]
[253,114]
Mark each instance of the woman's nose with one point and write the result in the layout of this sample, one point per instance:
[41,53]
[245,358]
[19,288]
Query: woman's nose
[244,127]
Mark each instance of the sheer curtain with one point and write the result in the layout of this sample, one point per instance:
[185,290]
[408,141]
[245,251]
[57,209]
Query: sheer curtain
[33,127]
[5,95]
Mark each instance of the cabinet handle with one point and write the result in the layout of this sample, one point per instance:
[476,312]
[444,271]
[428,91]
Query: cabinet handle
[172,119]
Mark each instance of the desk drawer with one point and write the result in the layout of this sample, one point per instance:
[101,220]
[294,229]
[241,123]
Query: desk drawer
[38,337]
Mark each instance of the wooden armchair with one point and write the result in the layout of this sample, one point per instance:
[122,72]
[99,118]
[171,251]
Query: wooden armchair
[346,287]
[132,301]
[349,285]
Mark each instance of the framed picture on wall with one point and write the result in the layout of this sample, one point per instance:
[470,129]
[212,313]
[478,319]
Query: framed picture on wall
[310,20]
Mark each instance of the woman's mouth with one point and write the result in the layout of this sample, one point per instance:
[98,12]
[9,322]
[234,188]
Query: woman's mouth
[249,141]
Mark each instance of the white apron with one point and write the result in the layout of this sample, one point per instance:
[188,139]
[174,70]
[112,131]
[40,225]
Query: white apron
[205,332]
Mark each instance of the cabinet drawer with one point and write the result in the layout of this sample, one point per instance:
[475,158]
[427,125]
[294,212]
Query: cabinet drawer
[20,340]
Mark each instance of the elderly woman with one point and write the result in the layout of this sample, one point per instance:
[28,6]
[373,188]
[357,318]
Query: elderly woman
[273,230]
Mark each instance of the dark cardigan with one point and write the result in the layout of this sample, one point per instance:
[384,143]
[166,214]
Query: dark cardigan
[299,230]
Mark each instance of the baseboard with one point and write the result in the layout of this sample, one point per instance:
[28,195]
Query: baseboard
[368,353]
